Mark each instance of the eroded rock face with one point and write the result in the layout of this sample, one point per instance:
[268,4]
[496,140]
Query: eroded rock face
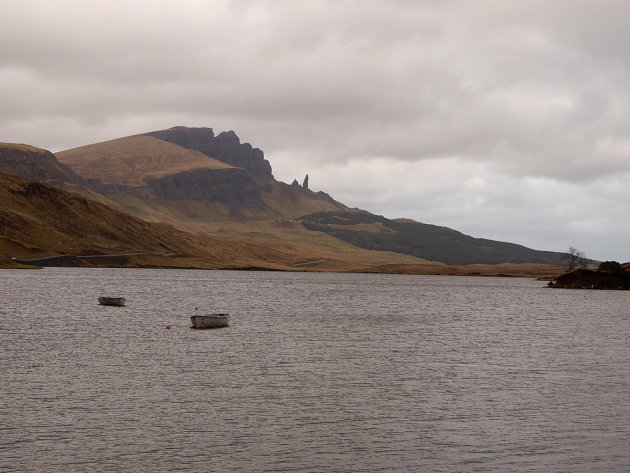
[225,147]
[221,185]
[233,188]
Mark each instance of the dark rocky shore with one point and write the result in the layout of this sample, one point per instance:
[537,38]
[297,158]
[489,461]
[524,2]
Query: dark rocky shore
[589,279]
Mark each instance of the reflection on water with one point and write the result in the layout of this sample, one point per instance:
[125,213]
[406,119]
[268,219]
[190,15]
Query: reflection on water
[316,372]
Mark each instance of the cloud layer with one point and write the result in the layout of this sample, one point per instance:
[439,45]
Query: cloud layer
[506,120]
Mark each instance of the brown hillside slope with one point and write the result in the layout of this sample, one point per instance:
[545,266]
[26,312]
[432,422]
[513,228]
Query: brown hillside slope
[37,220]
[41,165]
[244,201]
[134,159]
[35,163]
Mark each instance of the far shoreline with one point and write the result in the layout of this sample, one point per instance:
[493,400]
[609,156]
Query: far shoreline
[543,272]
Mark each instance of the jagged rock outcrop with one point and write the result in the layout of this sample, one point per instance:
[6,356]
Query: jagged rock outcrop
[305,183]
[226,147]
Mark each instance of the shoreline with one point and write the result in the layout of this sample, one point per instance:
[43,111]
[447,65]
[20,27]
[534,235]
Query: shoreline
[543,272]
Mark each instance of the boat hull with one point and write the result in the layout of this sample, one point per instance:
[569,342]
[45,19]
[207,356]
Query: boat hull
[210,321]
[113,301]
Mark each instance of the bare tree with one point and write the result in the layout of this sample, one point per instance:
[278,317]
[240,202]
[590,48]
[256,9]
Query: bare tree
[575,258]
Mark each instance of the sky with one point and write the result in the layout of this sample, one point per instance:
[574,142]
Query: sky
[507,120]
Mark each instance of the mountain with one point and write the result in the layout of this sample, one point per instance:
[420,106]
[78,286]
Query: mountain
[216,186]
[189,176]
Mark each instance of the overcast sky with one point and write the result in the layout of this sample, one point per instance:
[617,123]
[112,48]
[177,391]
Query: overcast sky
[502,119]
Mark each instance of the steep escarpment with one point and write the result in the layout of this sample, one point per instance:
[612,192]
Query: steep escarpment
[190,176]
[232,189]
[231,185]
[225,147]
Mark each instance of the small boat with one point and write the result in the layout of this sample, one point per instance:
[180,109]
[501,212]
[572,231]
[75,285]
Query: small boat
[115,301]
[210,320]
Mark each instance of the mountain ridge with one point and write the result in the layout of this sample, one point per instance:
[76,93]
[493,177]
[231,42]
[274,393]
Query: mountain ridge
[226,147]
[159,176]
[199,182]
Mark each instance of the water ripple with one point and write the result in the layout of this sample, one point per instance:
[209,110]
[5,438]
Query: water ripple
[317,372]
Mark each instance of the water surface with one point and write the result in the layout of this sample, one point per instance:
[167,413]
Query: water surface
[317,372]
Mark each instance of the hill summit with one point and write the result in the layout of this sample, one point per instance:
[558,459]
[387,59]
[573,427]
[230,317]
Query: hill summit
[190,175]
[225,147]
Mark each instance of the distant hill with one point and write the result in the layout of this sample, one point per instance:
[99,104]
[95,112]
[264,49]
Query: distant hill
[430,242]
[41,165]
[35,163]
[217,186]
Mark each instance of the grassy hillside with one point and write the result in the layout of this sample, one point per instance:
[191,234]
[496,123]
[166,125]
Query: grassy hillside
[41,165]
[37,220]
[131,160]
[430,242]
[35,163]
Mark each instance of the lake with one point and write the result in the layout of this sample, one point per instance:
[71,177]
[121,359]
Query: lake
[316,372]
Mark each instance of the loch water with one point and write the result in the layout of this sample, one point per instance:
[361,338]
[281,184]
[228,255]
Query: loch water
[316,373]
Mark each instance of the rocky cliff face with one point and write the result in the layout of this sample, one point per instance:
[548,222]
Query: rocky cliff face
[226,147]
[192,174]
[232,187]
[34,163]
